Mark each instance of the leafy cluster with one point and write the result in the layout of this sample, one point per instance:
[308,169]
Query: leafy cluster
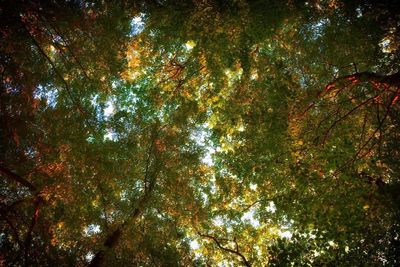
[199,133]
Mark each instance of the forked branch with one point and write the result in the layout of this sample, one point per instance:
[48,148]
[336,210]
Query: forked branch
[235,251]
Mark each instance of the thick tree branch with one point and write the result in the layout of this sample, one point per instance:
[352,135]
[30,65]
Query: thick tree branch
[366,76]
[6,172]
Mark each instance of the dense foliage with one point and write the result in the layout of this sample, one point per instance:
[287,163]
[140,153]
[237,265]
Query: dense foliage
[200,133]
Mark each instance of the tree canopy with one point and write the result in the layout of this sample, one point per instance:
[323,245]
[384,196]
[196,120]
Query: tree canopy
[200,133]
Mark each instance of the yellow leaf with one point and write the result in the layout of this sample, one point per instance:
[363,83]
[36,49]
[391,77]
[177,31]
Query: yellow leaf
[190,44]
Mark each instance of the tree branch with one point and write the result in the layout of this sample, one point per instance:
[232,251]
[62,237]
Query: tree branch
[346,115]
[236,252]
[67,45]
[389,80]
[58,74]
[8,173]
[12,227]
[28,238]
[113,239]
[357,155]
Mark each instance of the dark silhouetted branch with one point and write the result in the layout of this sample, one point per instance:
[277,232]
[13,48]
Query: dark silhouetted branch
[58,74]
[15,177]
[35,217]
[236,251]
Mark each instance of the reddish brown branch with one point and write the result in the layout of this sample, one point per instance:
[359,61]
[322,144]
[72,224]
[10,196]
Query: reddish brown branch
[377,79]
[362,135]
